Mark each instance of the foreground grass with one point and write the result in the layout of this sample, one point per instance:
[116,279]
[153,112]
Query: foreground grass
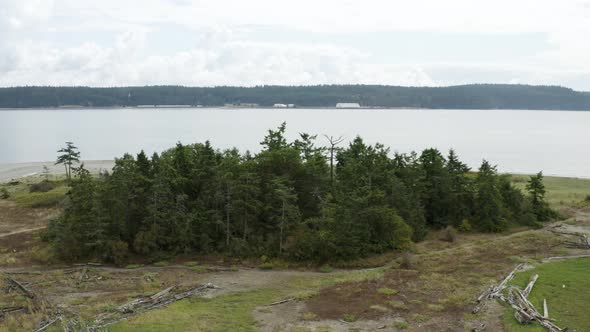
[565,286]
[233,312]
[40,199]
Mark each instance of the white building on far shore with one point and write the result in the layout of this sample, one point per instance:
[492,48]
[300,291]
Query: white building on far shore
[348,105]
[279,106]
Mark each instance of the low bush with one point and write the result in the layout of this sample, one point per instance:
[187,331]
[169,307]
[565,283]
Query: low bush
[4,194]
[465,226]
[326,269]
[449,234]
[407,260]
[42,187]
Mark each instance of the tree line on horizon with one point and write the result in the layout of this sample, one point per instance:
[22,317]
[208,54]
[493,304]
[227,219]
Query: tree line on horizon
[294,200]
[475,96]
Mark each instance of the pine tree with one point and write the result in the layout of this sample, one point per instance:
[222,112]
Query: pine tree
[536,190]
[69,156]
[488,200]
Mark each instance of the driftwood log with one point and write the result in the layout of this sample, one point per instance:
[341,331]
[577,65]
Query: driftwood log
[12,283]
[495,292]
[524,311]
[582,243]
[548,259]
[281,302]
[146,303]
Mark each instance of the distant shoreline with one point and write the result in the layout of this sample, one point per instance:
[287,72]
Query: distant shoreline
[13,171]
[84,108]
[470,96]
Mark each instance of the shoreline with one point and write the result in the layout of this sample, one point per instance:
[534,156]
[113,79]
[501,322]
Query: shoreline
[163,107]
[13,171]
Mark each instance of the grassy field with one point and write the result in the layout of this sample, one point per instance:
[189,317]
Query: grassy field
[561,192]
[19,192]
[233,312]
[433,289]
[565,285]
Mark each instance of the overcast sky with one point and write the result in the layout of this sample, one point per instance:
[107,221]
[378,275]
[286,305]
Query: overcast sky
[287,42]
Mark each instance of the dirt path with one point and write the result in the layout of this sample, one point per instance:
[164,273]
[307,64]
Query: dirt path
[20,231]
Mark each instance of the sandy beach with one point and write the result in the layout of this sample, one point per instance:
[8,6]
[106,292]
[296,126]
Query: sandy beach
[18,170]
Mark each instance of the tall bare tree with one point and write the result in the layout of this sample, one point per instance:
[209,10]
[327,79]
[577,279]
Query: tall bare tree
[333,143]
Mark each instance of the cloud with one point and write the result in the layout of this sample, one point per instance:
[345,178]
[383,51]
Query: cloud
[227,63]
[203,42]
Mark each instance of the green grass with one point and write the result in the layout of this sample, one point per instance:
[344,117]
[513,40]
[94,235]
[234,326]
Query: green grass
[231,312]
[560,191]
[40,199]
[568,305]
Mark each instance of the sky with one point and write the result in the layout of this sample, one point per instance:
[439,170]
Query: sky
[287,42]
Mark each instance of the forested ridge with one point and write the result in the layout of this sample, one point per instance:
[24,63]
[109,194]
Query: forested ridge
[476,96]
[285,201]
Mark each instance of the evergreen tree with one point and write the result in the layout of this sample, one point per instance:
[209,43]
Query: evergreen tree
[488,200]
[69,155]
[536,190]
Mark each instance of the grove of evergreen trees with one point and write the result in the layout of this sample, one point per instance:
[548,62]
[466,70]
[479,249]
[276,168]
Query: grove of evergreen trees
[473,96]
[281,202]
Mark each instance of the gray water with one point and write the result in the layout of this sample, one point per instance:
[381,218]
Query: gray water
[556,142]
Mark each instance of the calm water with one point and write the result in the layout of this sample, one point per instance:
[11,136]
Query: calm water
[518,141]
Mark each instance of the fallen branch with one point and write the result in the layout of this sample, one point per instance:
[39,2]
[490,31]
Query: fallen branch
[20,287]
[48,324]
[281,302]
[82,275]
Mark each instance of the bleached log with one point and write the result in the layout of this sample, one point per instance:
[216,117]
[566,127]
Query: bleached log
[495,291]
[563,257]
[545,310]
[529,287]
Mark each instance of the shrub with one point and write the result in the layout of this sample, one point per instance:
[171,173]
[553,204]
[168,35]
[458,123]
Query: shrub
[266,266]
[4,194]
[401,325]
[326,269]
[449,234]
[465,226]
[407,260]
[309,316]
[349,318]
[42,187]
[117,252]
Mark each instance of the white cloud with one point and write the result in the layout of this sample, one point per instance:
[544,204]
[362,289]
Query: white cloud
[116,47]
[241,63]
